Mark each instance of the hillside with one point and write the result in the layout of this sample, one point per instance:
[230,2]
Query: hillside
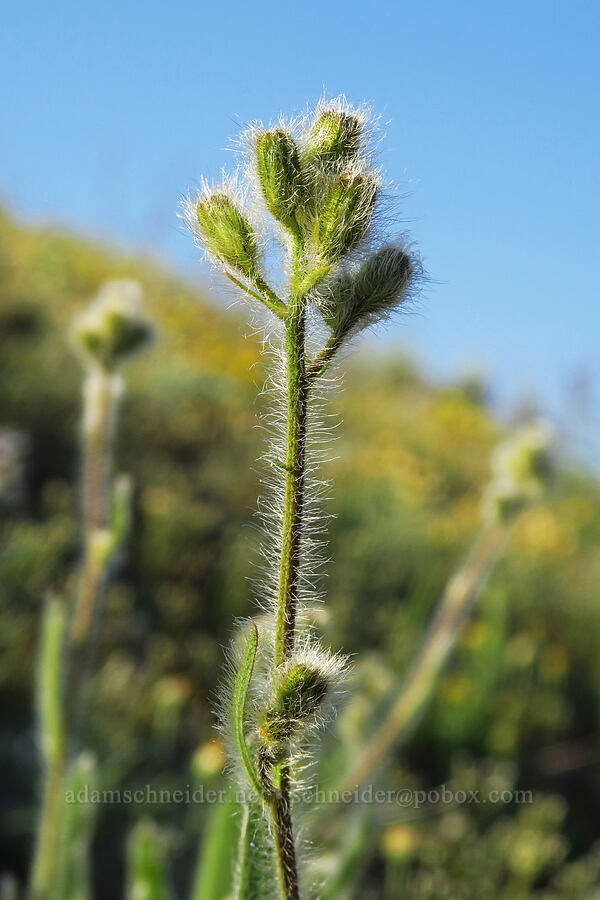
[407,467]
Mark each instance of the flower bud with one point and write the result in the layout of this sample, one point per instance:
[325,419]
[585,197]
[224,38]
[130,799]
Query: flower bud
[114,327]
[361,297]
[334,136]
[279,174]
[345,216]
[227,233]
[298,696]
[522,468]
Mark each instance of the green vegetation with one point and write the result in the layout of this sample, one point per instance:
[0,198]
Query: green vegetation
[517,708]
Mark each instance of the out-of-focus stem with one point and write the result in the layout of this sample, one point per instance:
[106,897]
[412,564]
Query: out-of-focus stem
[61,683]
[454,607]
[100,401]
[51,725]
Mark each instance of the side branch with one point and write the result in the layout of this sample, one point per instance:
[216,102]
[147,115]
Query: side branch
[320,363]
[268,296]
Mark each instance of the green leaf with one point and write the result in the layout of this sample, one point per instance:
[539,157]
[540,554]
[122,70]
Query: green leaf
[216,858]
[147,876]
[256,869]
[238,700]
[49,685]
[73,880]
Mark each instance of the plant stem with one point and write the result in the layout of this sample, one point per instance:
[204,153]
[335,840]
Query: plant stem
[284,841]
[101,398]
[46,851]
[289,566]
[99,409]
[453,609]
[318,366]
[295,459]
[268,297]
[51,724]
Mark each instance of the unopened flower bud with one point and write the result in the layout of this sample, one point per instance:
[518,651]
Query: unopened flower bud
[228,234]
[114,326]
[279,174]
[100,546]
[334,136]
[359,298]
[522,468]
[298,696]
[345,216]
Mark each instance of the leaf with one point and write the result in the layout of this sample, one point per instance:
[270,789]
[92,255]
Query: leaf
[73,881]
[49,686]
[256,876]
[147,876]
[238,701]
[216,857]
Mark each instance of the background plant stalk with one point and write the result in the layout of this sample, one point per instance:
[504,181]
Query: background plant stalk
[69,676]
[97,475]
[453,609]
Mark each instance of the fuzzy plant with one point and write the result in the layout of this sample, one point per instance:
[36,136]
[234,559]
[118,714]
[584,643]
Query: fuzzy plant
[522,471]
[105,335]
[295,230]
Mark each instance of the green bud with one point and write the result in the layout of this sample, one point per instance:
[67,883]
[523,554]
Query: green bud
[227,234]
[361,297]
[279,174]
[298,697]
[100,546]
[345,216]
[113,328]
[334,136]
[522,469]
[301,692]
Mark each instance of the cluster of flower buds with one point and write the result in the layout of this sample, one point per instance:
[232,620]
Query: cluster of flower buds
[318,189]
[114,327]
[322,190]
[522,468]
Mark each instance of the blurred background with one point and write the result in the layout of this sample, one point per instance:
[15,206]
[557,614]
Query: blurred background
[110,113]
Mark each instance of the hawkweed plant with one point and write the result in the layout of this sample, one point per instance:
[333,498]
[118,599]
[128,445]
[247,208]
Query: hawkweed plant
[295,231]
[105,335]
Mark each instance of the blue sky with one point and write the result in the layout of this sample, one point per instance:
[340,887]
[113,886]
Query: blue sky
[110,110]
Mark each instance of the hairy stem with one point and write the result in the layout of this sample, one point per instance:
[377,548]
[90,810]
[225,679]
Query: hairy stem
[453,609]
[284,841]
[289,566]
[318,366]
[268,296]
[295,458]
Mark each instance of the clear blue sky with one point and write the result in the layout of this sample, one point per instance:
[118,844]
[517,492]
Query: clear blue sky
[110,110]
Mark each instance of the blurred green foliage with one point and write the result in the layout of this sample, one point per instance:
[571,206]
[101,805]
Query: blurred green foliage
[523,691]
